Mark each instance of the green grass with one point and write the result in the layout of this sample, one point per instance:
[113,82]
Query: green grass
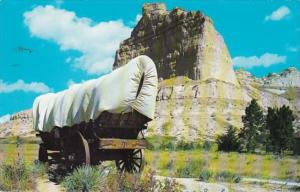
[193,163]
[170,161]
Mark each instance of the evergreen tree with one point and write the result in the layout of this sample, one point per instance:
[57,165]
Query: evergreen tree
[252,133]
[270,124]
[279,122]
[229,141]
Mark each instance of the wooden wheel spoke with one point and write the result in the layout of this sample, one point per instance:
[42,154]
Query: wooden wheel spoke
[135,169]
[121,162]
[137,164]
[122,168]
[132,161]
[136,152]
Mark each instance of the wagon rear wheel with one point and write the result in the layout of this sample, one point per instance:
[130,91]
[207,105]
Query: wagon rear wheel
[77,151]
[133,161]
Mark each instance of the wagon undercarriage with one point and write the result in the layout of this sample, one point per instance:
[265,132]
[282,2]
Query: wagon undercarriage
[112,137]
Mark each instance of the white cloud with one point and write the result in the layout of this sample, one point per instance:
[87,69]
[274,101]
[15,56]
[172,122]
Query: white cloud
[4,118]
[96,41]
[293,49]
[264,60]
[20,85]
[278,14]
[137,19]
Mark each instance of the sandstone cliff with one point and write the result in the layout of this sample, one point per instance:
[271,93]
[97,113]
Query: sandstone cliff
[20,124]
[199,93]
[191,110]
[181,43]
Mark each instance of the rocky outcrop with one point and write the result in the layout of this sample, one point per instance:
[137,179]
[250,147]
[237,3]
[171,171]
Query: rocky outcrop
[20,124]
[191,110]
[181,43]
[199,92]
[288,78]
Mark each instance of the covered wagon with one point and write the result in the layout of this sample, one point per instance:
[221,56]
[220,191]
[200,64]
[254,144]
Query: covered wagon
[100,119]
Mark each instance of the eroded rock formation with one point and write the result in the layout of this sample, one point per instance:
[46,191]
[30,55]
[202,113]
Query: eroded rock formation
[199,93]
[181,43]
[20,124]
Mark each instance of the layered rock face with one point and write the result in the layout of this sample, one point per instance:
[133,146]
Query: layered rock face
[20,124]
[199,92]
[180,43]
[192,110]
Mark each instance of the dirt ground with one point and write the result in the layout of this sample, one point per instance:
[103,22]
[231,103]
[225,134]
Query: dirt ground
[194,185]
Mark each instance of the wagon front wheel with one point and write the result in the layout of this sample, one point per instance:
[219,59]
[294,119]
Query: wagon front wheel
[133,161]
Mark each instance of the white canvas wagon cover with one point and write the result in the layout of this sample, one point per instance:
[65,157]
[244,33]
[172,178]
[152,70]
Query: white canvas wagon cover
[115,92]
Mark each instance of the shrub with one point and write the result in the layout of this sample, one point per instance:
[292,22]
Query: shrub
[161,143]
[190,169]
[149,145]
[39,169]
[16,176]
[169,185]
[227,176]
[167,145]
[205,175]
[148,183]
[170,164]
[85,178]
[145,182]
[182,145]
[207,145]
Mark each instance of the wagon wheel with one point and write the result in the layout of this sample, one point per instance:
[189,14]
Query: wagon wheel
[77,151]
[133,161]
[43,155]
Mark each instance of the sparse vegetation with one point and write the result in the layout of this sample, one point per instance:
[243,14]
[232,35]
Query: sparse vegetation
[291,93]
[191,169]
[227,176]
[19,176]
[15,176]
[205,175]
[171,144]
[238,164]
[107,179]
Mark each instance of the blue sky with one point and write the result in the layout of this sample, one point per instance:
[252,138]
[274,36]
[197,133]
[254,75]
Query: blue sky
[47,45]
